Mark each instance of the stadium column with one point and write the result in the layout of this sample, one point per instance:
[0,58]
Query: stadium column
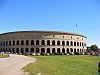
[79,50]
[45,51]
[50,50]
[55,50]
[34,50]
[19,51]
[65,51]
[69,50]
[29,51]
[40,51]
[60,50]
[24,51]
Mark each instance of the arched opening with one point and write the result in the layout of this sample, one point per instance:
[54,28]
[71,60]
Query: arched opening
[10,50]
[42,42]
[22,50]
[53,50]
[77,43]
[4,43]
[22,42]
[53,42]
[13,42]
[13,50]
[17,42]
[67,50]
[67,43]
[71,43]
[48,50]
[37,42]
[48,42]
[78,50]
[17,51]
[74,43]
[58,51]
[26,50]
[58,42]
[75,50]
[37,50]
[32,42]
[27,42]
[71,37]
[42,51]
[71,49]
[32,50]
[80,43]
[9,42]
[63,50]
[63,42]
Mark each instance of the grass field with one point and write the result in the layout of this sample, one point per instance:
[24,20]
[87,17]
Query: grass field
[64,65]
[3,56]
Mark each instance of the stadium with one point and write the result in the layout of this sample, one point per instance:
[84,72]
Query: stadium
[42,42]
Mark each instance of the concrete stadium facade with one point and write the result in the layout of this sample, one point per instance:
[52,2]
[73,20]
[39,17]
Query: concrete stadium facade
[42,42]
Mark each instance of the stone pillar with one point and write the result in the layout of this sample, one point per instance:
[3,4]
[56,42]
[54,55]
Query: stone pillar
[19,50]
[40,51]
[69,50]
[60,50]
[45,51]
[34,50]
[79,50]
[50,50]
[65,51]
[29,51]
[56,50]
[24,50]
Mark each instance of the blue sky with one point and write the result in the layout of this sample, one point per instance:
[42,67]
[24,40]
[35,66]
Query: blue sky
[59,15]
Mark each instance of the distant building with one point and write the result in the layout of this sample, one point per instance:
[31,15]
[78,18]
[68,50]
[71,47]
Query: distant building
[42,42]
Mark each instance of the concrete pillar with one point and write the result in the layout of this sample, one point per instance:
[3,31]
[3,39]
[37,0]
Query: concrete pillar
[50,50]
[69,50]
[60,50]
[56,50]
[29,51]
[19,51]
[40,51]
[45,50]
[24,50]
[65,51]
[34,50]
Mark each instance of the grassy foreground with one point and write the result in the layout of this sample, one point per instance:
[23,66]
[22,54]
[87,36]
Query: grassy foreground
[3,55]
[64,65]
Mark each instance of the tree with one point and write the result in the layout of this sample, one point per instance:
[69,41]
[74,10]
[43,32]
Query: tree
[94,48]
[88,49]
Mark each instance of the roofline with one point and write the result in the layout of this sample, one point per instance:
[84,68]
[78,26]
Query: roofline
[54,32]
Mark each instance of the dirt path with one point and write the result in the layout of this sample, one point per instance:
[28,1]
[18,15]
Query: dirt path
[13,65]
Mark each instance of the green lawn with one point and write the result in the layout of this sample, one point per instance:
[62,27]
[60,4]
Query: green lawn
[64,65]
[3,55]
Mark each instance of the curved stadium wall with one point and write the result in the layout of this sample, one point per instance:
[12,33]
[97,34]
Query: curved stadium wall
[42,42]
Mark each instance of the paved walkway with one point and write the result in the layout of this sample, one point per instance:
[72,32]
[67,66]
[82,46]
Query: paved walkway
[13,65]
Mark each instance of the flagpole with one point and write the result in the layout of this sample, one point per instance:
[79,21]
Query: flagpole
[76,28]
